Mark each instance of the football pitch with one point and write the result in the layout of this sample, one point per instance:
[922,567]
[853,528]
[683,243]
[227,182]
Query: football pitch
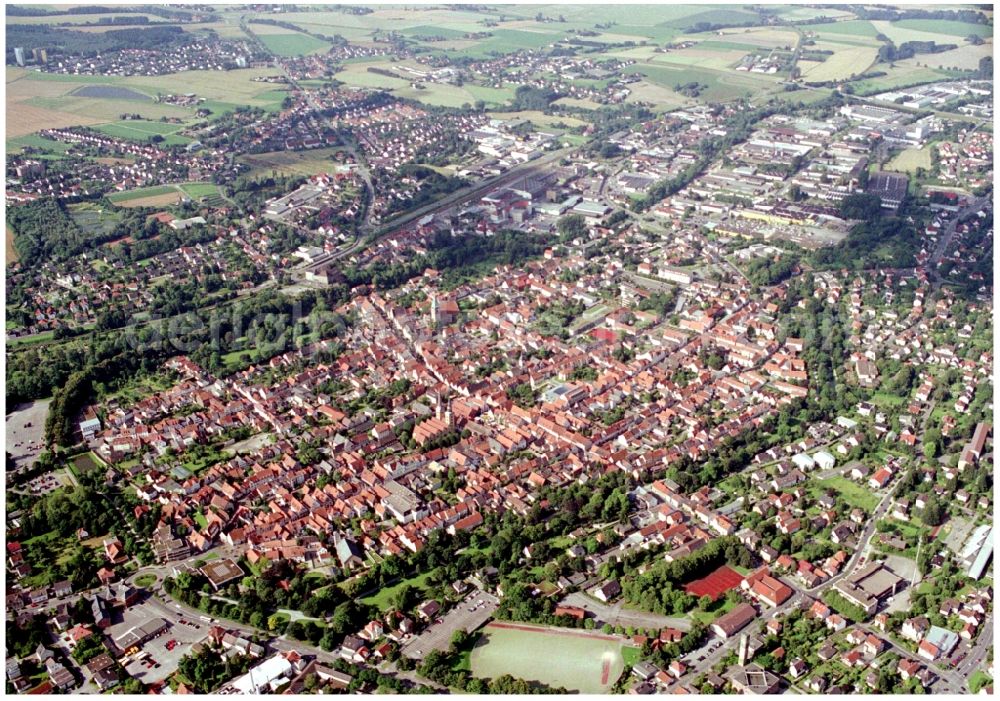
[581,661]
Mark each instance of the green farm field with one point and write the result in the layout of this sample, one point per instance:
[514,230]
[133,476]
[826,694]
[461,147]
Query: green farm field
[292,43]
[897,76]
[38,101]
[141,130]
[585,662]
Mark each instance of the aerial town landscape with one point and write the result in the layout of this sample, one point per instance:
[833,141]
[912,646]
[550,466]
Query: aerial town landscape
[499,349]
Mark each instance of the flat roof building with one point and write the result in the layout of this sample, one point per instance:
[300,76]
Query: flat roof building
[221,572]
[869,585]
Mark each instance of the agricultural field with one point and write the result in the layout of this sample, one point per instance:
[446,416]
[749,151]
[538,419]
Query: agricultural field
[719,85]
[55,148]
[38,101]
[938,27]
[291,43]
[585,662]
[709,57]
[578,102]
[794,13]
[141,130]
[845,62]
[843,31]
[83,19]
[441,94]
[24,118]
[660,97]
[766,37]
[964,58]
[898,76]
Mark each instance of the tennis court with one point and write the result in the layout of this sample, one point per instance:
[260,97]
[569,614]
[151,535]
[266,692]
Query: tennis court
[715,584]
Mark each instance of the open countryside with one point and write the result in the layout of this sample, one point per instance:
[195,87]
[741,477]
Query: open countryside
[515,349]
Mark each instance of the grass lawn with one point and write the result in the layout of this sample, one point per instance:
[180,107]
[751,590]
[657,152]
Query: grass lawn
[200,519]
[909,159]
[721,606]
[277,621]
[145,580]
[854,494]
[888,400]
[631,655]
[382,597]
[585,663]
[978,680]
[43,337]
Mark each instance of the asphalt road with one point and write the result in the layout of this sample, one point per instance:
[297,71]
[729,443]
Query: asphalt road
[980,647]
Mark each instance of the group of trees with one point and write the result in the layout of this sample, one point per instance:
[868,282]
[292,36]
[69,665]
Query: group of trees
[57,516]
[889,52]
[44,232]
[455,256]
[889,243]
[732,454]
[87,44]
[571,226]
[281,585]
[861,206]
[209,668]
[660,587]
[771,271]
[432,185]
[528,97]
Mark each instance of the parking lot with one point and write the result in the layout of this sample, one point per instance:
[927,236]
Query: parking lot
[472,612]
[165,650]
[43,484]
[25,429]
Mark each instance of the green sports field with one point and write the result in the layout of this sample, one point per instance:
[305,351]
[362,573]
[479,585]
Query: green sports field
[584,662]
